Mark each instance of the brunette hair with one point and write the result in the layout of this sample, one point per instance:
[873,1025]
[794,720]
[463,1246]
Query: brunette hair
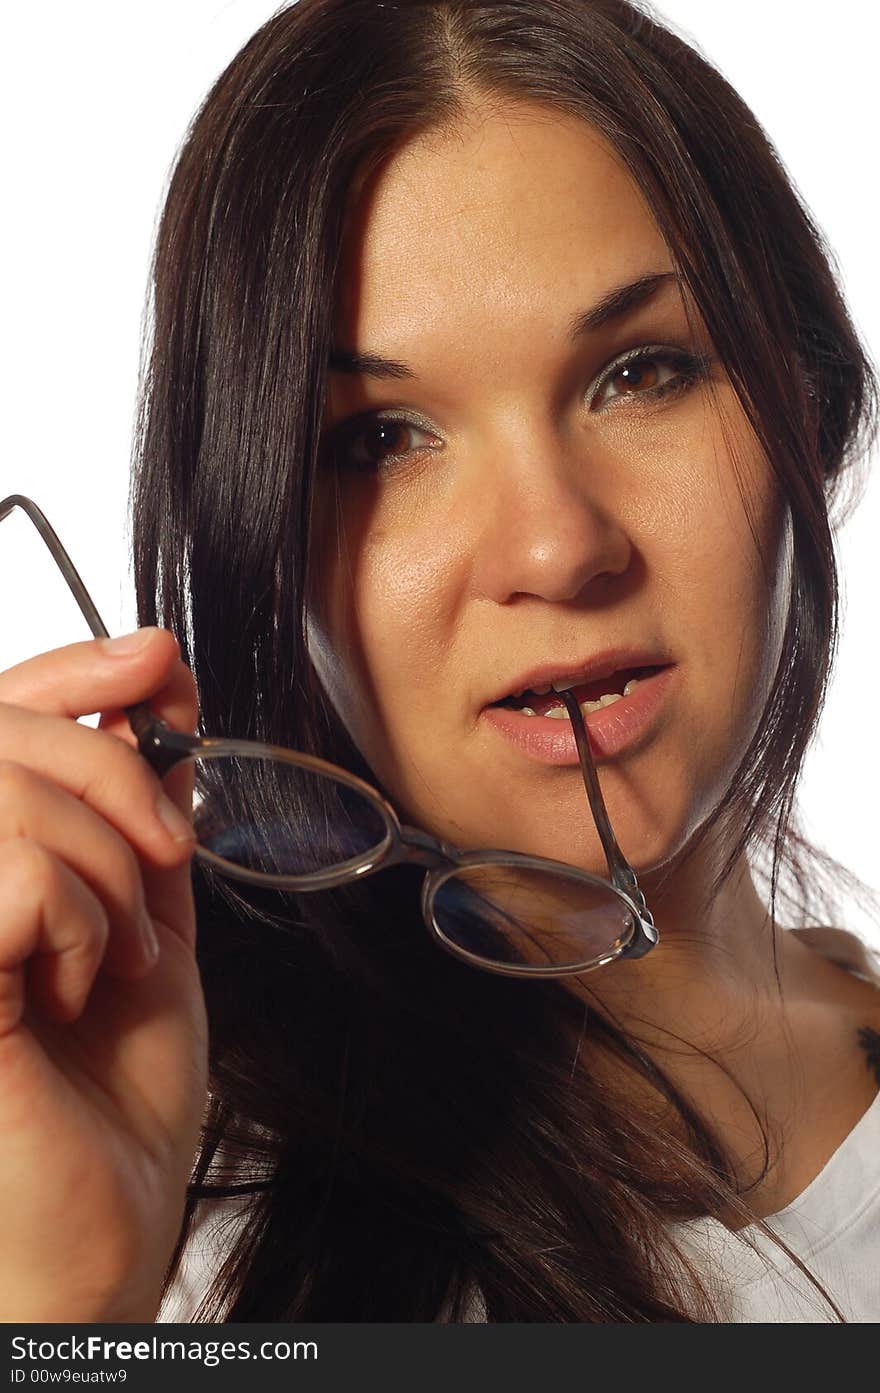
[403,1129]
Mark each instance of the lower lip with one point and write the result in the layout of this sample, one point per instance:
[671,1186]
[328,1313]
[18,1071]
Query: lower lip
[611,729]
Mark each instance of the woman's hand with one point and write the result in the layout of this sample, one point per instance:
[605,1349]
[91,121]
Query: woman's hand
[103,1042]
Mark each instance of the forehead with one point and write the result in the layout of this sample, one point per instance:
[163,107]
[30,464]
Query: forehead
[515,207]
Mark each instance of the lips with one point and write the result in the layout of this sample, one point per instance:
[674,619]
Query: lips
[584,691]
[623,726]
[582,675]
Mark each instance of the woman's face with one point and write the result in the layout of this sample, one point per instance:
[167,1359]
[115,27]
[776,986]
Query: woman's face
[532,498]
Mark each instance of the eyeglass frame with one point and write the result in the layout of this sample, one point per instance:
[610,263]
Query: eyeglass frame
[163,748]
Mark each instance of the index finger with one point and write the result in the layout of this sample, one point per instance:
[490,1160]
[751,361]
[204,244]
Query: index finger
[93,675]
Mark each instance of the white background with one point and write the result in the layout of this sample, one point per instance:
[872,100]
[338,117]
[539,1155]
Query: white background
[95,98]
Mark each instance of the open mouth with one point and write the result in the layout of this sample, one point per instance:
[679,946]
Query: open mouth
[590,696]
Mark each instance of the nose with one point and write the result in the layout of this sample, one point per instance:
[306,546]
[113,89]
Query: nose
[547,522]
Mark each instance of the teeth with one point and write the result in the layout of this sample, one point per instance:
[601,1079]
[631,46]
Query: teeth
[560,713]
[567,686]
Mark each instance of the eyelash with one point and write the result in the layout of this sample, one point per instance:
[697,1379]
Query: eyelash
[691,368]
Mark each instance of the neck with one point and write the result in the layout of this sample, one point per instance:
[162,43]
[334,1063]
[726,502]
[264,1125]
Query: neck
[714,964]
[757,1031]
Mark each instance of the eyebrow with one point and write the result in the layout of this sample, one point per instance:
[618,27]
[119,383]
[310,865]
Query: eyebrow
[622,300]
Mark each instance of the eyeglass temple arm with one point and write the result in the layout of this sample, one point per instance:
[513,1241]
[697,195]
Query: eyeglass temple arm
[141,719]
[620,871]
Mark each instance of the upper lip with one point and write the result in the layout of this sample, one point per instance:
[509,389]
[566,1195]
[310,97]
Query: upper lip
[580,671]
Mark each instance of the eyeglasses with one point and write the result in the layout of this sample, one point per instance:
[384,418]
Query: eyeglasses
[272,816]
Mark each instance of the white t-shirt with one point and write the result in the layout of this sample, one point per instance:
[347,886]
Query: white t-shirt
[833,1226]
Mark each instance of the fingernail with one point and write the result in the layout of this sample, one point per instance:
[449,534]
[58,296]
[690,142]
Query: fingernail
[128,643]
[148,933]
[173,820]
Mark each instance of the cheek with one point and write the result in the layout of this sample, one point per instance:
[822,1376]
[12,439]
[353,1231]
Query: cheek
[730,573]
[715,541]
[382,628]
[715,527]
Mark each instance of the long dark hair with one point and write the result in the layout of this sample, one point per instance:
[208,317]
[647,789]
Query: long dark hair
[401,1127]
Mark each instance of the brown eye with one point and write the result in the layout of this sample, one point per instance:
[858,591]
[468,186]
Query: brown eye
[652,373]
[385,437]
[378,444]
[635,377]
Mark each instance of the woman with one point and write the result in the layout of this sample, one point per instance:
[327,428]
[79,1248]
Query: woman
[492,349]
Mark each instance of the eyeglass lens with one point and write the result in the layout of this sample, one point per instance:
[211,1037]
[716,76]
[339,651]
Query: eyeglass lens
[256,813]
